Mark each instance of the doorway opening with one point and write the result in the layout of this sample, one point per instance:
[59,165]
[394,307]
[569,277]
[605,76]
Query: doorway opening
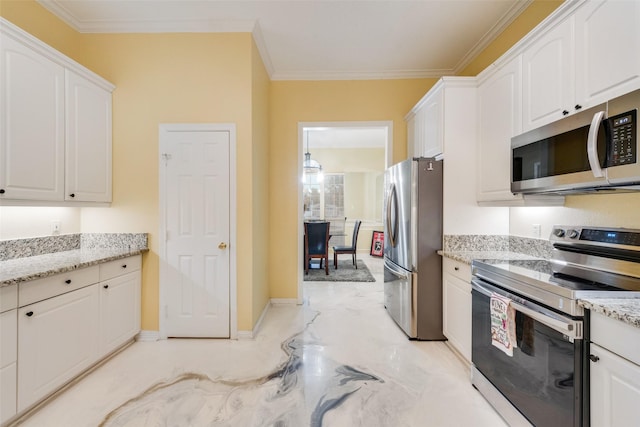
[349,186]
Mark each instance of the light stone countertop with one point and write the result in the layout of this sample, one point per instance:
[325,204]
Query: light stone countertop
[626,310]
[24,269]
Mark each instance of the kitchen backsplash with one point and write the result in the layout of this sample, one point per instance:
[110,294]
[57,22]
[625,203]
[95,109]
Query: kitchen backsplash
[480,242]
[20,248]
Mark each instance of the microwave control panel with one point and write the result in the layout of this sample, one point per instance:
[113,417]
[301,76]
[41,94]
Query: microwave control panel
[623,129]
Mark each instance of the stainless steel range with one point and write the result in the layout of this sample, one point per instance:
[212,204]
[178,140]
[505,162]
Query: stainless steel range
[542,378]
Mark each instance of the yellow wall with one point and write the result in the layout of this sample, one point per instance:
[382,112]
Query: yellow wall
[42,24]
[293,102]
[260,191]
[173,78]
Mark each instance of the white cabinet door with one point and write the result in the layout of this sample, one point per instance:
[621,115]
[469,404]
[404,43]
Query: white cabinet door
[31,123]
[411,136]
[8,365]
[57,339]
[119,311]
[88,142]
[433,132]
[607,45]
[547,77]
[615,389]
[500,118]
[457,313]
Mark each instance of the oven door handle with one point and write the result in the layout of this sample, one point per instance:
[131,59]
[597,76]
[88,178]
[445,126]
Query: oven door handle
[569,327]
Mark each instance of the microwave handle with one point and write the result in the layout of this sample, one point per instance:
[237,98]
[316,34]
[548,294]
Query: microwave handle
[592,144]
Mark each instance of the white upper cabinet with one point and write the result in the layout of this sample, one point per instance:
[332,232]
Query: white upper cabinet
[607,36]
[547,77]
[55,121]
[499,118]
[587,58]
[31,123]
[425,125]
[88,147]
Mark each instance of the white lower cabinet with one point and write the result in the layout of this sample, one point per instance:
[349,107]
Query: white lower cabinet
[64,324]
[119,311]
[57,340]
[614,371]
[615,389]
[8,363]
[456,300]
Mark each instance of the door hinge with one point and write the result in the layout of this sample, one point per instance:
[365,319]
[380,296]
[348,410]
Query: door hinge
[166,157]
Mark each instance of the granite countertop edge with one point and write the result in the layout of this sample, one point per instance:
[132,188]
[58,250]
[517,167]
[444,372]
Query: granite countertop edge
[25,269]
[626,310]
[468,256]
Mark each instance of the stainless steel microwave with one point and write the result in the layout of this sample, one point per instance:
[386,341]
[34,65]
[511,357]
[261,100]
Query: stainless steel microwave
[590,151]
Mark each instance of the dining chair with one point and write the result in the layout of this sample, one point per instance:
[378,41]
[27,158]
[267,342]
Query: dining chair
[337,250]
[316,244]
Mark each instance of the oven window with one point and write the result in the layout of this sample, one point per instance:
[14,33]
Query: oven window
[557,155]
[540,378]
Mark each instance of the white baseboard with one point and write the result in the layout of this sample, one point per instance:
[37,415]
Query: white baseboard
[248,335]
[284,301]
[148,336]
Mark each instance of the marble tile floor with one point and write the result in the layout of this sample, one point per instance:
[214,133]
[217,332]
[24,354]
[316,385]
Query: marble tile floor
[337,360]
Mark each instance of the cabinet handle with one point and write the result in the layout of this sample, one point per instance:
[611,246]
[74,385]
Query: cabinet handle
[124,265]
[72,195]
[1,190]
[106,286]
[578,107]
[594,358]
[29,313]
[565,112]
[68,281]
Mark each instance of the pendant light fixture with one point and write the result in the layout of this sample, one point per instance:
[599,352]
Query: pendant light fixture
[309,165]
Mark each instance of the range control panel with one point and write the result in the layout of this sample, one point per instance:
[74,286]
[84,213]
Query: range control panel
[622,133]
[601,236]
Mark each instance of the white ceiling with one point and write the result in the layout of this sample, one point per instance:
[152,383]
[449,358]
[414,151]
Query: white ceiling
[319,39]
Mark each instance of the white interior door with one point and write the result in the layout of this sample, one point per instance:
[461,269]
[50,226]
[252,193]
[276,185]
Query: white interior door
[195,190]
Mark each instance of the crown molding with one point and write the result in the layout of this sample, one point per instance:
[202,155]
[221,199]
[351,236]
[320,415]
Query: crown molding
[148,26]
[363,75]
[506,20]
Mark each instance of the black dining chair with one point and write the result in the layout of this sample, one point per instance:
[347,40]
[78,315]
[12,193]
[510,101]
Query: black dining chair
[337,250]
[316,244]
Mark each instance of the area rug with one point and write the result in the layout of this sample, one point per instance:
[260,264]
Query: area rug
[346,272]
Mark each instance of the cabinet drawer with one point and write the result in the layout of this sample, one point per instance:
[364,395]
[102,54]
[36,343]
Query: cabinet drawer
[616,336]
[459,269]
[116,268]
[8,298]
[47,287]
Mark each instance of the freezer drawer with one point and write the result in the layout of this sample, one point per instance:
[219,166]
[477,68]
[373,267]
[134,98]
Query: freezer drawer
[399,297]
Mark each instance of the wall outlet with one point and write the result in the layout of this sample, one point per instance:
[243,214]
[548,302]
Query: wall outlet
[536,229]
[55,226]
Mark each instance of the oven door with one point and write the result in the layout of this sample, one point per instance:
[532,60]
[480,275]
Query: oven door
[543,378]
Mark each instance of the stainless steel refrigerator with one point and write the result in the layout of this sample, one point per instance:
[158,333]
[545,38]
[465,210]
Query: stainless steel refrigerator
[412,237]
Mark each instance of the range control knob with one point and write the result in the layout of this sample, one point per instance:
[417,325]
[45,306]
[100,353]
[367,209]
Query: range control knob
[573,234]
[559,232]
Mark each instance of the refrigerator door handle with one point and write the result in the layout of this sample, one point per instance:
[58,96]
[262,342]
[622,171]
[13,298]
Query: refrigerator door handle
[393,228]
[400,273]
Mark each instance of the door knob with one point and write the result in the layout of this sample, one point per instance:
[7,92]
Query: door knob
[222,245]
